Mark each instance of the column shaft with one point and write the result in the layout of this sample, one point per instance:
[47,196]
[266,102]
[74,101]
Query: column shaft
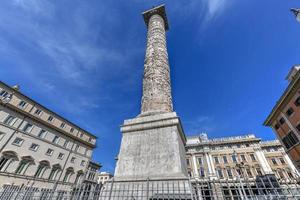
[156,81]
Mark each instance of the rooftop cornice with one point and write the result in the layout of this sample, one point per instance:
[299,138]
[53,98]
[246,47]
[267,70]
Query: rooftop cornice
[45,108]
[32,117]
[284,99]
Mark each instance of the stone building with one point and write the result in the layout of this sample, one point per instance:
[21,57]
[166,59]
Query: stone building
[284,118]
[244,156]
[39,148]
[104,177]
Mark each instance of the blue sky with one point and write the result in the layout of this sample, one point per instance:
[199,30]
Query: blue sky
[84,60]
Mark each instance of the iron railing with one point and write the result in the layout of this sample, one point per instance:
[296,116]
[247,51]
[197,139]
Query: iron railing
[260,188]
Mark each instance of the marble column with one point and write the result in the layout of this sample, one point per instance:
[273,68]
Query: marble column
[156,81]
[195,166]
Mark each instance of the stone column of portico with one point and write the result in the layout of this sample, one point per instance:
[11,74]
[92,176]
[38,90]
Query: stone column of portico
[263,161]
[210,165]
[195,166]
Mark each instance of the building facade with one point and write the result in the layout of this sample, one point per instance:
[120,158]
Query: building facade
[284,119]
[39,148]
[246,157]
[104,177]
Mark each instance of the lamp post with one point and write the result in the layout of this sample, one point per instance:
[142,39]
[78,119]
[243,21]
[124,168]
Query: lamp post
[296,12]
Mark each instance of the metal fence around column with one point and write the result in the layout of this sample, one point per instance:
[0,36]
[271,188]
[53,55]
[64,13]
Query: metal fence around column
[259,188]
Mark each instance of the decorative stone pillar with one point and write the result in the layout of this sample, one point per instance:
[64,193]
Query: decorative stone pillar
[263,161]
[210,165]
[195,166]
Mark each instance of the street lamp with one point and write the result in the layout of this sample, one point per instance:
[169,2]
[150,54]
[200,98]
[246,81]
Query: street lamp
[296,12]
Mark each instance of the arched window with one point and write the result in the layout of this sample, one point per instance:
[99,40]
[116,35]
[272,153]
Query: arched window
[78,177]
[54,171]
[24,164]
[68,174]
[41,169]
[7,158]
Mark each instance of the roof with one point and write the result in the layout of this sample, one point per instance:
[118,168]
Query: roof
[59,116]
[284,99]
[223,140]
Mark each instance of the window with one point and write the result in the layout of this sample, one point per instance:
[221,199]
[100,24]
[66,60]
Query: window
[66,143]
[60,156]
[22,104]
[252,157]
[3,93]
[220,173]
[282,160]
[34,147]
[277,126]
[1,135]
[18,141]
[73,159]
[201,172]
[78,177]
[77,147]
[239,172]
[290,140]
[38,111]
[297,102]
[289,112]
[200,162]
[233,158]
[27,128]
[55,139]
[290,174]
[62,125]
[39,171]
[3,161]
[53,173]
[229,173]
[281,174]
[50,118]
[21,167]
[67,176]
[258,171]
[282,120]
[42,133]
[274,161]
[72,130]
[187,160]
[216,160]
[90,139]
[243,158]
[247,145]
[9,120]
[81,135]
[225,159]
[82,163]
[49,152]
[249,173]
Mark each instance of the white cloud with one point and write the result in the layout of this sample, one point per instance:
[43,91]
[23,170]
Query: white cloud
[215,8]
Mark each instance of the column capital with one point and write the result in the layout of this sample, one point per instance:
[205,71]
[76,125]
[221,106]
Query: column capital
[158,10]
